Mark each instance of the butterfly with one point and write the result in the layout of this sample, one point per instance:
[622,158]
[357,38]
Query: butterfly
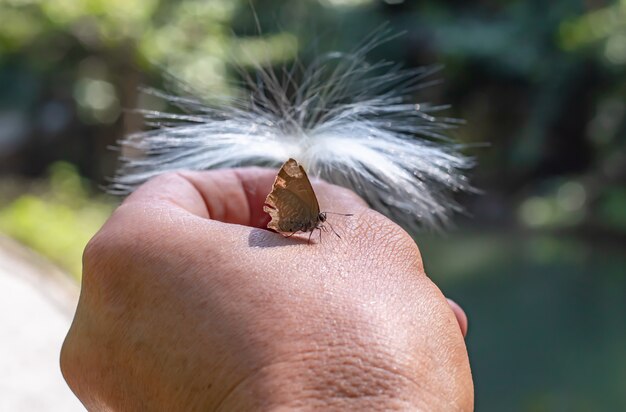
[292,203]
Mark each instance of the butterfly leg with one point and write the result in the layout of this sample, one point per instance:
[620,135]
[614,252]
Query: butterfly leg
[333,229]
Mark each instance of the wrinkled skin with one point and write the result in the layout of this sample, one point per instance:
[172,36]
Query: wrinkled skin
[187,303]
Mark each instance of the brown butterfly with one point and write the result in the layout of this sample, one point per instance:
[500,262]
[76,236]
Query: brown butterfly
[292,203]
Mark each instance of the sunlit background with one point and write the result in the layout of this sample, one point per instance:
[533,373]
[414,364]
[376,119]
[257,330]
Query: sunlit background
[538,261]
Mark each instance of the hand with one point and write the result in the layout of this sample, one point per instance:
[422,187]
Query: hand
[188,303]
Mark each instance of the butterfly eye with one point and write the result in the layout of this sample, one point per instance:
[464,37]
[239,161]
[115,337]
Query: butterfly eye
[322,216]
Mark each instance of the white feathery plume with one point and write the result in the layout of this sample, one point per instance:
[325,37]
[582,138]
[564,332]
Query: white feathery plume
[348,122]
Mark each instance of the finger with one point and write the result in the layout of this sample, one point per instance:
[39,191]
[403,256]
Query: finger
[336,199]
[228,195]
[231,195]
[461,317]
[235,195]
[238,195]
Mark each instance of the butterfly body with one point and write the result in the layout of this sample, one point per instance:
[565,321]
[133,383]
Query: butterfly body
[293,226]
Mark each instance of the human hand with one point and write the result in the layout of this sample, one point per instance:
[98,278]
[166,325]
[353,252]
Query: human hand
[187,303]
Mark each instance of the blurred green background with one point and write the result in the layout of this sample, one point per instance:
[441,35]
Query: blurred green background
[539,260]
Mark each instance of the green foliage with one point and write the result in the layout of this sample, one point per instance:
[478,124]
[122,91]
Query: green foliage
[58,220]
[191,39]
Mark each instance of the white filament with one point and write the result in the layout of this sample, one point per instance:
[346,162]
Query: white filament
[348,122]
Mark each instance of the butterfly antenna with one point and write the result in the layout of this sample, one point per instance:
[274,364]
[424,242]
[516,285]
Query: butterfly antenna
[333,229]
[340,214]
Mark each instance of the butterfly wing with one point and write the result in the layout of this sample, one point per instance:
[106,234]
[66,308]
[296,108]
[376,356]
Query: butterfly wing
[292,203]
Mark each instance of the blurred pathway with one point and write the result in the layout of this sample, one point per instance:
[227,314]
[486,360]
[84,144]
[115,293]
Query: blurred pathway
[37,303]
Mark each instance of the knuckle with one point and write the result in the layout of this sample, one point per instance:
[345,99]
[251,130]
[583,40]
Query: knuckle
[98,256]
[108,254]
[93,250]
[71,362]
[67,359]
[387,239]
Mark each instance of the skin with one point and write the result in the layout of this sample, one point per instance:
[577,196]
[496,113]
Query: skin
[188,303]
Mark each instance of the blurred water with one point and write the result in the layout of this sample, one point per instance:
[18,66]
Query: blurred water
[547,318]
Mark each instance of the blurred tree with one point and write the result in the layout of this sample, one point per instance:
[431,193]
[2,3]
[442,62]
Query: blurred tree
[68,68]
[542,84]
